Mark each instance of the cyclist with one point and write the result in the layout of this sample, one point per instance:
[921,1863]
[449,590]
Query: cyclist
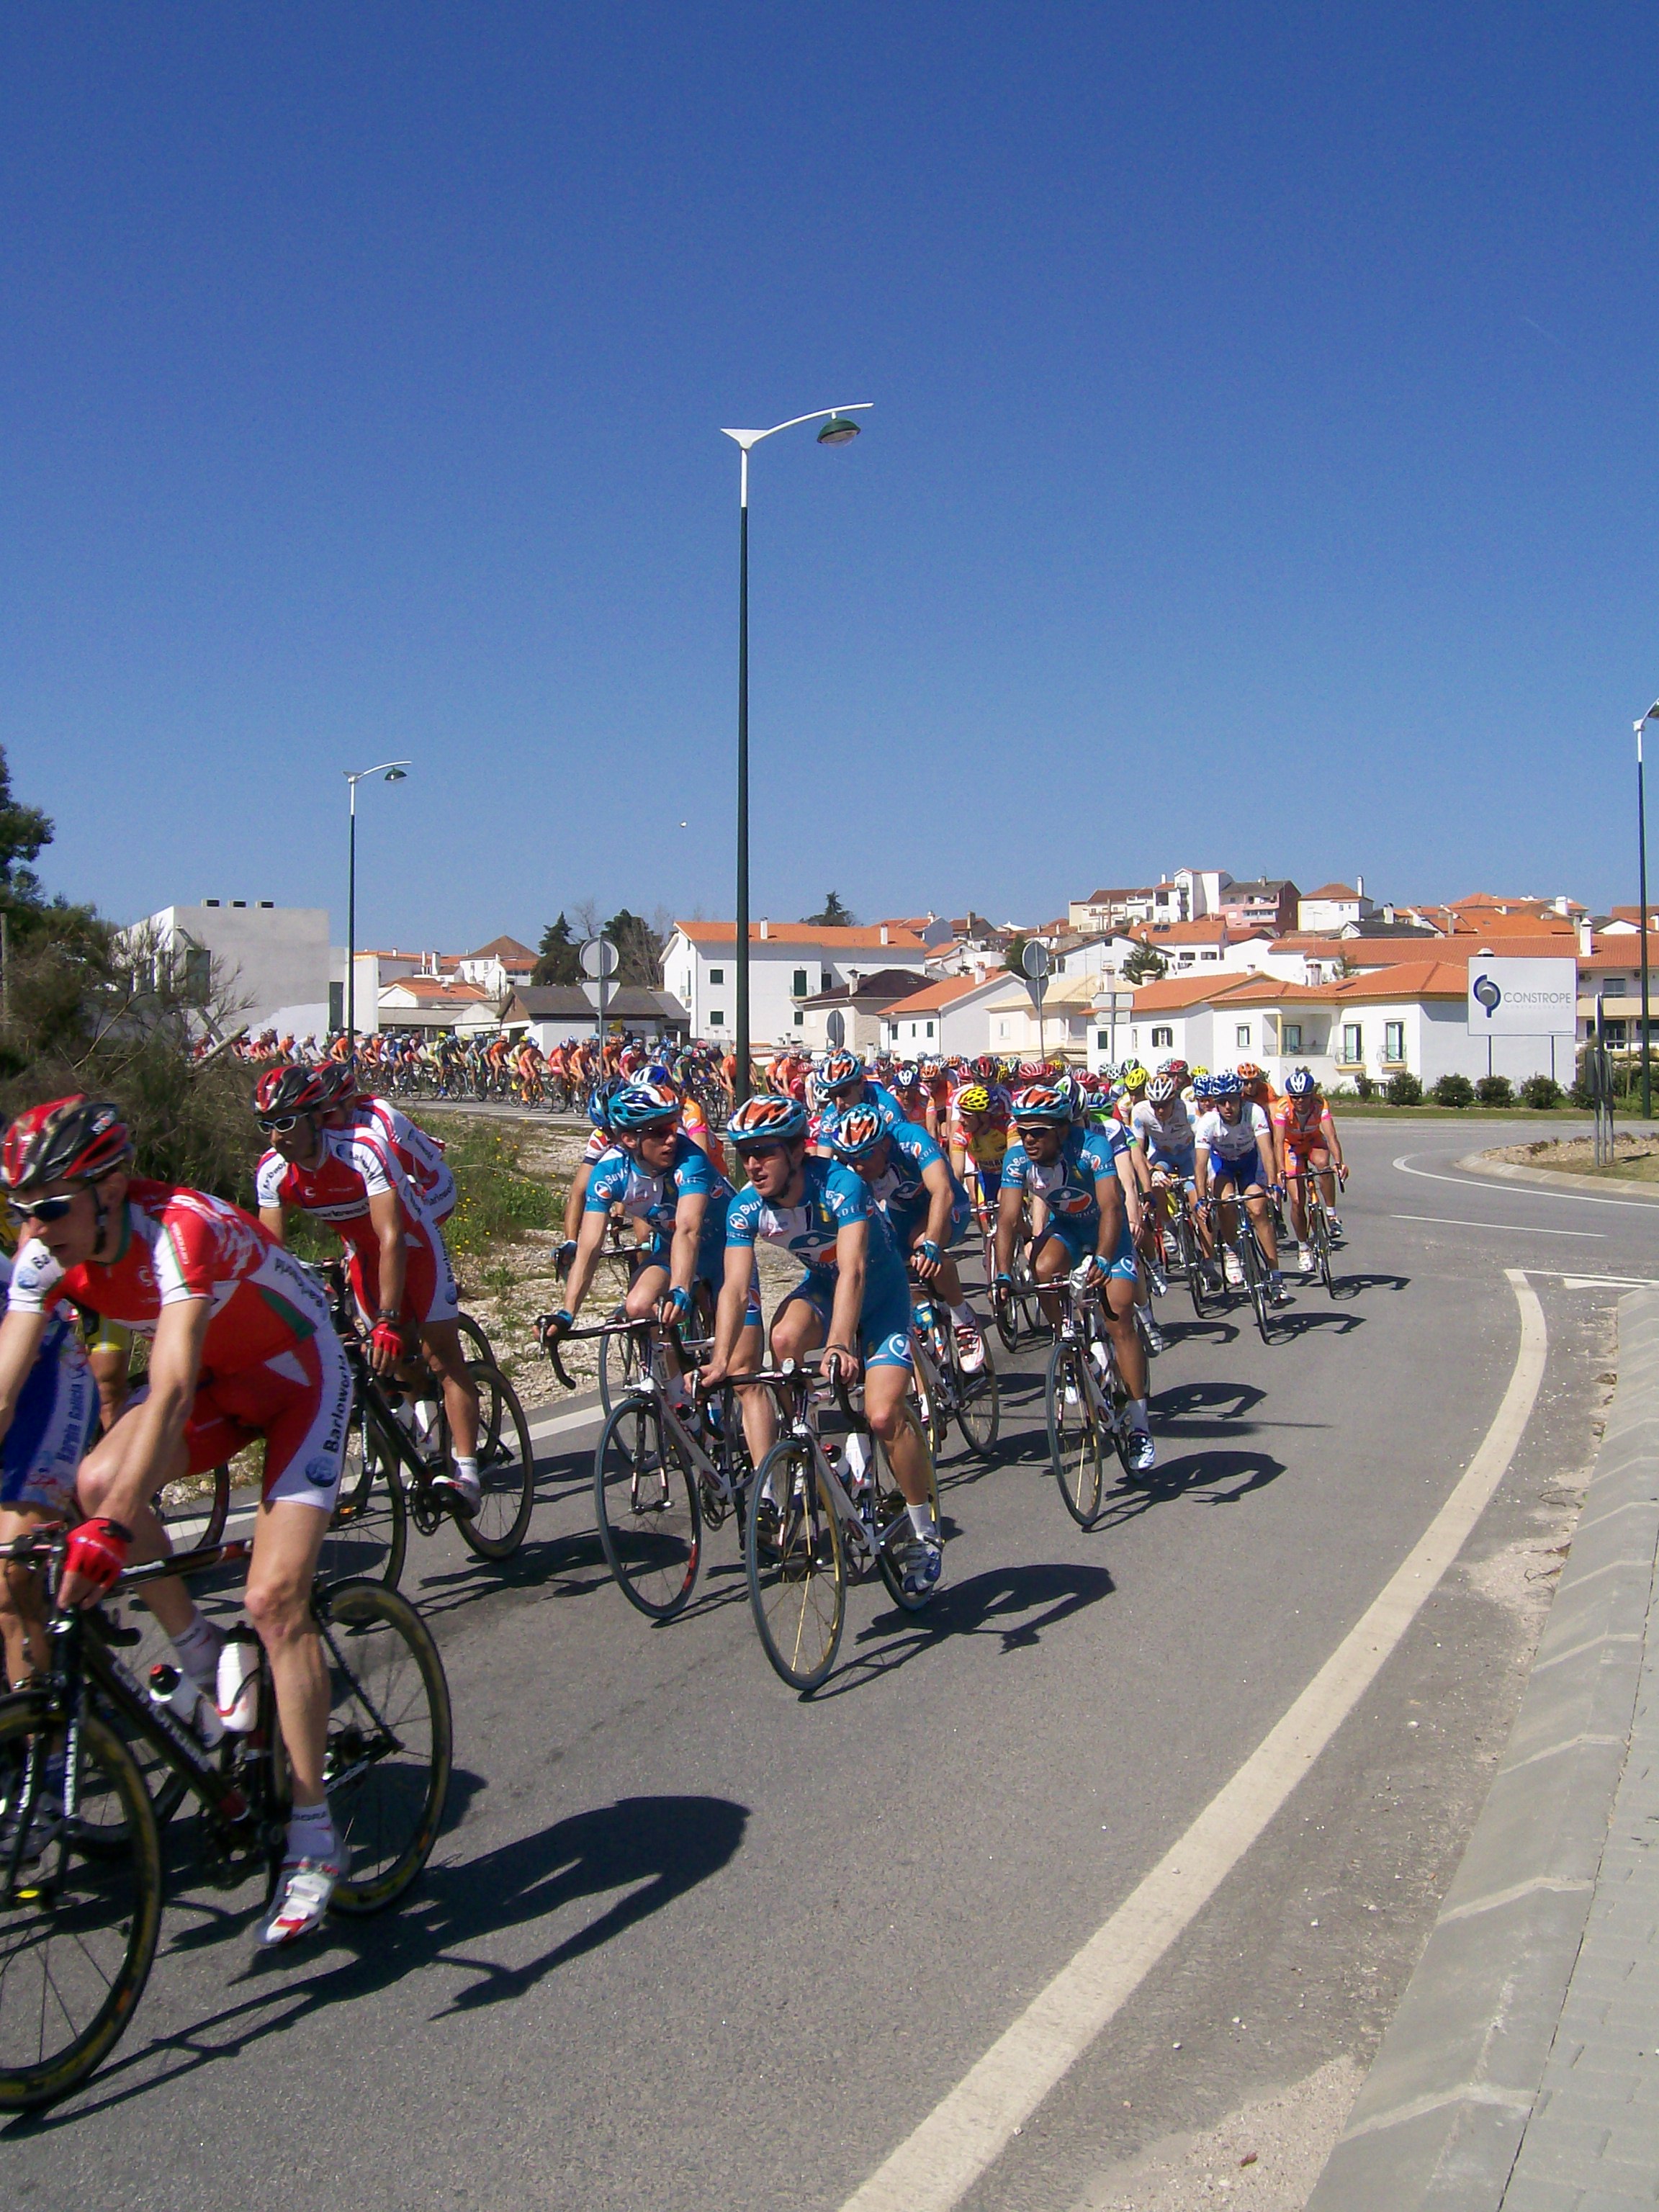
[1307,1145]
[980,1132]
[854,1299]
[420,1156]
[242,1346]
[1086,1183]
[1165,1132]
[927,1208]
[1236,1154]
[399,1267]
[842,1082]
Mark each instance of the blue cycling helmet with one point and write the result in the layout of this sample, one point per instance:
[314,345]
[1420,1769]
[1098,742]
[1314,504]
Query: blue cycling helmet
[1301,1083]
[839,1070]
[1201,1088]
[1226,1085]
[1042,1102]
[657,1071]
[642,1105]
[598,1101]
[857,1133]
[904,1076]
[768,1118]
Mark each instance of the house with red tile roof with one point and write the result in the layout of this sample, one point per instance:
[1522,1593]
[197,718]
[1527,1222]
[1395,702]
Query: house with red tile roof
[789,963]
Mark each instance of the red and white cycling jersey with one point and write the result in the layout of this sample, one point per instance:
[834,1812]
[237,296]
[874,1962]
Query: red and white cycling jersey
[177,1244]
[420,1156]
[353,1165]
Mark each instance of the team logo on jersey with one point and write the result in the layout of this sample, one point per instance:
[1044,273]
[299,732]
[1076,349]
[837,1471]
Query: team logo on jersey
[322,1472]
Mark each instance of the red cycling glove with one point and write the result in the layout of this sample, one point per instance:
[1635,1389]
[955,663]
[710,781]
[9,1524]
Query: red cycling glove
[387,1336]
[98,1550]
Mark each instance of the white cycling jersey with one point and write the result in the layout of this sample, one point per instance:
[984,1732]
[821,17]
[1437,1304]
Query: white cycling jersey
[1235,1140]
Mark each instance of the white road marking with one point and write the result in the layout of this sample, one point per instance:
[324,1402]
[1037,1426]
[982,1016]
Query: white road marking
[556,1424]
[1599,1282]
[1534,1189]
[934,2167]
[1521,1228]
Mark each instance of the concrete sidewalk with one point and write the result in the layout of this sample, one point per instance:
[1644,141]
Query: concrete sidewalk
[1522,2071]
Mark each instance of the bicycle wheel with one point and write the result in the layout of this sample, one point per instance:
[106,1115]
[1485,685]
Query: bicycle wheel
[1077,1450]
[194,1509]
[367,1537]
[1192,1263]
[1005,1312]
[386,1767]
[476,1343]
[507,1467]
[77,1925]
[796,1565]
[1319,1223]
[620,1362]
[928,1387]
[978,1408]
[1255,1278]
[893,1531]
[645,1503]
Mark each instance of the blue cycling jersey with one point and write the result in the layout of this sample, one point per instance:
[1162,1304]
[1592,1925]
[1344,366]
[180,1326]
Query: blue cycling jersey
[620,1179]
[902,1181]
[832,1199]
[1066,1185]
[873,1094]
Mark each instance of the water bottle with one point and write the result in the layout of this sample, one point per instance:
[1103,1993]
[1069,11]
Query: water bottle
[237,1695]
[170,1687]
[854,1464]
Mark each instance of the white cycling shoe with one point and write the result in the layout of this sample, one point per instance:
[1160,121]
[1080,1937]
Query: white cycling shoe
[302,1904]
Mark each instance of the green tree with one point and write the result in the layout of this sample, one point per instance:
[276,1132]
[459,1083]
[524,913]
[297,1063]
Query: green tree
[832,915]
[24,831]
[560,960]
[639,950]
[1010,958]
[1145,964]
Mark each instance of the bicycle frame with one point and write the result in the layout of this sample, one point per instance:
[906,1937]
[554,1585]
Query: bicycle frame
[1083,1321]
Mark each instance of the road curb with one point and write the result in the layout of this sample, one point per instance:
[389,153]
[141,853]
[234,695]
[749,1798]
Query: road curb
[1483,1163]
[1446,2104]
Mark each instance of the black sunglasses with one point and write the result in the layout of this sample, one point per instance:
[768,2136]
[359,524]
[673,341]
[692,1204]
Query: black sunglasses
[759,1152]
[40,1209]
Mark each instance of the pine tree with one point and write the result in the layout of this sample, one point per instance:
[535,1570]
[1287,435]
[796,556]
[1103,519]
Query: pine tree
[560,960]
[834,916]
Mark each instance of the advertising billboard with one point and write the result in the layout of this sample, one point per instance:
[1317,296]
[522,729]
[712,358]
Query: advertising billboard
[1523,998]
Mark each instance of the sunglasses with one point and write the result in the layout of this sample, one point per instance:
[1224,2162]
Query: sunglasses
[282,1124]
[40,1209]
[758,1152]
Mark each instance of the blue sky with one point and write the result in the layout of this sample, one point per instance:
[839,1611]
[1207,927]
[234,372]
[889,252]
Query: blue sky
[1262,470]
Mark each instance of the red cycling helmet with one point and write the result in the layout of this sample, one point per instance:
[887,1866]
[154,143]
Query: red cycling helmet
[74,1140]
[280,1091]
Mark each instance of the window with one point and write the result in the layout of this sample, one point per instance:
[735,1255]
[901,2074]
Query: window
[198,972]
[1612,986]
[716,1018]
[799,987]
[1242,1036]
[717,974]
[1394,1040]
[1293,1037]
[1103,1040]
[930,1029]
[1162,1037]
[1353,1043]
[1002,1029]
[1614,1035]
[800,1018]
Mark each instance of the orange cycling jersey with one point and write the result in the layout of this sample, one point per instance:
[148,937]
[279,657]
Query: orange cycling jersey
[1298,1132]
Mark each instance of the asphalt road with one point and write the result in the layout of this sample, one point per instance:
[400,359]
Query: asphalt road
[691,1939]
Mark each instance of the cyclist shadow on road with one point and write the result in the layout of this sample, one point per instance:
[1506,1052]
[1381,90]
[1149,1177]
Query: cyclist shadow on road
[1205,1409]
[1213,1478]
[1350,1286]
[1014,1604]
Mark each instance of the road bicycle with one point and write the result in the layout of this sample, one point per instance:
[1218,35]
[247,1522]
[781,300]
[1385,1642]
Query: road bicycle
[666,1466]
[1316,1214]
[1170,1240]
[1086,1400]
[1014,1306]
[946,1392]
[816,1524]
[1244,1242]
[81,1874]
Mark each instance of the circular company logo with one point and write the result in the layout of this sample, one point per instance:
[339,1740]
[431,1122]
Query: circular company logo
[1487,994]
[319,1473]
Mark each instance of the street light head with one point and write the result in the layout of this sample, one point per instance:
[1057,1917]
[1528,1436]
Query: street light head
[839,430]
[1652,714]
[396,776]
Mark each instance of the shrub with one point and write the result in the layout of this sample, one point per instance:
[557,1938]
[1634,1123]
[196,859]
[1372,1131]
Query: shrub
[1453,1091]
[1495,1091]
[1542,1090]
[1364,1087]
[1404,1090]
[496,1201]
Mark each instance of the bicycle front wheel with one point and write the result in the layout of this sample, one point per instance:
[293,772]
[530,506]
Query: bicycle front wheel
[507,1467]
[1255,1280]
[80,1901]
[978,1408]
[797,1566]
[1077,1451]
[194,1509]
[386,1767]
[619,1365]
[368,1537]
[645,1503]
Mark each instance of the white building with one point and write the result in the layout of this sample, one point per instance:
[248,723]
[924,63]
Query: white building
[1333,906]
[789,962]
[270,959]
[952,1016]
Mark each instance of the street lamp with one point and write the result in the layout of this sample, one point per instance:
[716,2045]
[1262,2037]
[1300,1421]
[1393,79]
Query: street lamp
[394,772]
[839,429]
[1652,715]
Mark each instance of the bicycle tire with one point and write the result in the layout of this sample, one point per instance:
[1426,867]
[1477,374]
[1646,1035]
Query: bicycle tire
[1005,1312]
[507,1467]
[390,1749]
[74,1893]
[1255,1278]
[978,1408]
[179,1507]
[367,1535]
[478,1345]
[927,1386]
[645,1501]
[1075,1451]
[892,1517]
[619,1365]
[796,1566]
[1322,1252]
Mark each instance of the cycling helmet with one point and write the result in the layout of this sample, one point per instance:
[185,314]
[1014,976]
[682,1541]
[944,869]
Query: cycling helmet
[767,1118]
[927,1068]
[74,1140]
[1301,1083]
[1201,1089]
[984,1069]
[1249,1073]
[1178,1071]
[283,1091]
[1226,1085]
[657,1070]
[1135,1078]
[1198,1071]
[1042,1102]
[336,1081]
[599,1101]
[904,1076]
[857,1133]
[641,1105]
[839,1070]
[1162,1088]
[973,1099]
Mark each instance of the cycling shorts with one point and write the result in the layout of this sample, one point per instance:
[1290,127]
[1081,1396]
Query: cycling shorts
[1078,1243]
[430,1292]
[56,1408]
[909,1223]
[990,1176]
[884,1323]
[1239,1173]
[299,1400]
[1297,1153]
[1182,1161]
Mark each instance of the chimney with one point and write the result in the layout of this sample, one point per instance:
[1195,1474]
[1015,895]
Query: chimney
[1359,886]
[765,929]
[1586,938]
[884,933]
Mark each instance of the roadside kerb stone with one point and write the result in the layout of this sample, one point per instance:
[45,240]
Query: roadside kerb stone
[1482,1164]
[1445,2107]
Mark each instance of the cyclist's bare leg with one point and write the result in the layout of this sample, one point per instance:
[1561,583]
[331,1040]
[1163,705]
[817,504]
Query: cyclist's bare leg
[645,1294]
[1052,1261]
[447,1357]
[887,1409]
[287,1539]
[169,1601]
[1256,1205]
[22,1607]
[1118,1301]
[1296,1184]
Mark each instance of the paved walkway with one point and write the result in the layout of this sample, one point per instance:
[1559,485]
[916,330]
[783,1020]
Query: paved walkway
[1521,2071]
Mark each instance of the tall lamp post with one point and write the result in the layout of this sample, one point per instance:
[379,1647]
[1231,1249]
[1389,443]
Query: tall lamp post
[1652,715]
[394,772]
[839,429]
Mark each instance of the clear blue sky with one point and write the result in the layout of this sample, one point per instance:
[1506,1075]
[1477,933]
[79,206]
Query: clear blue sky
[1262,472]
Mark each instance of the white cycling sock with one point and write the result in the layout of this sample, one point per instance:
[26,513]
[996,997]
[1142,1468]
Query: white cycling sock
[198,1647]
[311,1833]
[466,1468]
[964,1315]
[1138,1418]
[922,1521]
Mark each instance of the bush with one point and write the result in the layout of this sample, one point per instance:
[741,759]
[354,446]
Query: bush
[1495,1091]
[1403,1089]
[1542,1090]
[1453,1091]
[496,1201]
[1364,1087]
